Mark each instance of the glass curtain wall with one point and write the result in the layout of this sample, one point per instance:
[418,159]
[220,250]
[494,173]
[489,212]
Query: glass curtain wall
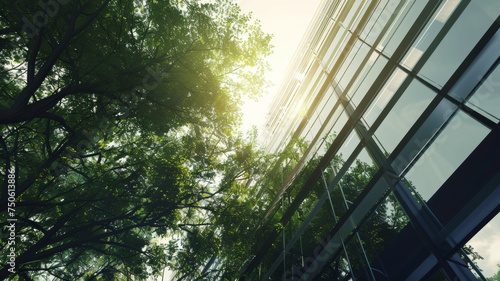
[395,104]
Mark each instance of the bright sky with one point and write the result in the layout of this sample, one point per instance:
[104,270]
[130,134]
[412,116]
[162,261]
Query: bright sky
[487,242]
[288,21]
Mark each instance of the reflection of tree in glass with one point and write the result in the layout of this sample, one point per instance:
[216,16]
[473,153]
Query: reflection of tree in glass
[380,229]
[383,225]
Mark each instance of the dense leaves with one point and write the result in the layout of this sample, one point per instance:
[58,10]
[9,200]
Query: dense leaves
[119,120]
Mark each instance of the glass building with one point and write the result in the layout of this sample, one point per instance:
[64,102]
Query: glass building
[392,107]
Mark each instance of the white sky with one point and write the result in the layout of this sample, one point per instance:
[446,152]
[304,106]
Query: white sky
[288,21]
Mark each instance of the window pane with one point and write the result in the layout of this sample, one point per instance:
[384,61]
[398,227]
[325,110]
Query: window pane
[340,42]
[368,80]
[404,114]
[353,65]
[460,40]
[357,177]
[443,111]
[384,96]
[379,231]
[378,20]
[429,33]
[446,153]
[487,97]
[348,146]
[402,26]
[349,19]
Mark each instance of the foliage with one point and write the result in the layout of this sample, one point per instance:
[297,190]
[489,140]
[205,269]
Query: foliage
[496,276]
[118,118]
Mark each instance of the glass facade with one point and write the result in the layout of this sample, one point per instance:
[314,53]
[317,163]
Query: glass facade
[395,106]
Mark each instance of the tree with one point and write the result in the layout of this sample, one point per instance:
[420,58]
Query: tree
[496,276]
[215,245]
[118,118]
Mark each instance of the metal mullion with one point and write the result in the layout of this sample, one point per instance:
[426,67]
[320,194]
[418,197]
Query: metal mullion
[378,157]
[370,212]
[331,9]
[449,265]
[378,17]
[429,51]
[313,105]
[335,218]
[411,74]
[398,52]
[398,22]
[325,22]
[357,14]
[323,126]
[350,62]
[347,208]
[435,100]
[427,228]
[288,179]
[383,76]
[307,151]
[386,67]
[322,90]
[357,234]
[344,11]
[326,82]
[318,205]
[372,47]
[364,103]
[469,261]
[363,12]
[438,98]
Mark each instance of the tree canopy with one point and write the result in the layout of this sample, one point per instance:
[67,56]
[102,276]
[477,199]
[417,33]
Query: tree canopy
[118,118]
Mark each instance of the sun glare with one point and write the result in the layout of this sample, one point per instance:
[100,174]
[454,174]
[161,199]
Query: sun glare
[287,20]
